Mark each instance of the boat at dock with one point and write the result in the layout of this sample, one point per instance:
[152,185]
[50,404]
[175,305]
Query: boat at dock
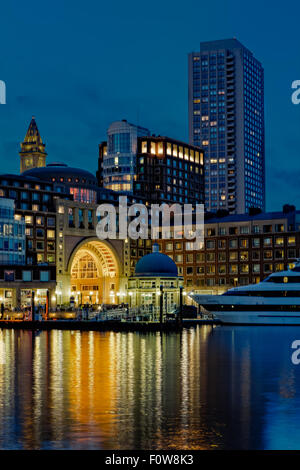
[273,301]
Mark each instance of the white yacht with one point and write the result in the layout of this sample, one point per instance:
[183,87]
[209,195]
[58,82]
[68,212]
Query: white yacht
[274,301]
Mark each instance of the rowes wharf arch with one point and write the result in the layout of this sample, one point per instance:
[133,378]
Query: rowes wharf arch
[88,269]
[95,272]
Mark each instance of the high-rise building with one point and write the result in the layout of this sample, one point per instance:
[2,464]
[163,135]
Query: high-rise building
[32,152]
[155,168]
[169,171]
[117,156]
[226,119]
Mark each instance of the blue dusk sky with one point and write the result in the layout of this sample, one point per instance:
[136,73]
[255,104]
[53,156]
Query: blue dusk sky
[77,66]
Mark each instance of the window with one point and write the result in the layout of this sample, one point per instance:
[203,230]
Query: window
[268,254]
[268,268]
[267,241]
[189,270]
[28,219]
[222,256]
[200,257]
[40,245]
[233,243]
[44,276]
[169,246]
[291,241]
[244,268]
[40,232]
[279,241]
[50,258]
[210,257]
[40,258]
[211,269]
[210,244]
[50,246]
[222,244]
[233,256]
[256,242]
[291,253]
[233,268]
[244,255]
[200,270]
[279,267]
[9,276]
[50,233]
[279,254]
[279,228]
[222,269]
[26,276]
[244,243]
[256,268]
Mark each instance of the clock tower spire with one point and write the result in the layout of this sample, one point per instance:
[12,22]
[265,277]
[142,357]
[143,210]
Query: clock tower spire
[32,152]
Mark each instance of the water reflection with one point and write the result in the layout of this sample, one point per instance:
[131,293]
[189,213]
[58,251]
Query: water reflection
[206,388]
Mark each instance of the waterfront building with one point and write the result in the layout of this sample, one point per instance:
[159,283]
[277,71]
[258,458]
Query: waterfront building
[169,171]
[238,250]
[117,156]
[12,234]
[226,119]
[32,153]
[12,249]
[81,184]
[155,275]
[154,168]
[34,203]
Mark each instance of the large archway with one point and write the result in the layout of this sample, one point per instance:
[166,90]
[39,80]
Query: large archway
[94,271]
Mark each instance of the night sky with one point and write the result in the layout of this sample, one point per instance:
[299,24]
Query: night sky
[77,66]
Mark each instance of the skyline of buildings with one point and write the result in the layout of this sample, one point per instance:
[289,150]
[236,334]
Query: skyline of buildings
[58,203]
[163,170]
[226,119]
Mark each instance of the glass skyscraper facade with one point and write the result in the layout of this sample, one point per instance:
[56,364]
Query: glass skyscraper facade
[119,155]
[12,235]
[226,119]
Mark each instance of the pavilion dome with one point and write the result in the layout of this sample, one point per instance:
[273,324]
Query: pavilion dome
[156,264]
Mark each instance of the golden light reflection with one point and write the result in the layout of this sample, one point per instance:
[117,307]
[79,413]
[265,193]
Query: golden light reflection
[126,390]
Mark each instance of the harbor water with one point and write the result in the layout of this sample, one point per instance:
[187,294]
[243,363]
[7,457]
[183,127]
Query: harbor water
[207,387]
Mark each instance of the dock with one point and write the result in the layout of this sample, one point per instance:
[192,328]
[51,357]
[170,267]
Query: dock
[107,325]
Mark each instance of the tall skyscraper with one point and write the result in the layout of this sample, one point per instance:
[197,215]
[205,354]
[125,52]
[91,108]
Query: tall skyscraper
[32,152]
[226,119]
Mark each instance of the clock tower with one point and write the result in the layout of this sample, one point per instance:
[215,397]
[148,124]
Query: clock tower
[32,152]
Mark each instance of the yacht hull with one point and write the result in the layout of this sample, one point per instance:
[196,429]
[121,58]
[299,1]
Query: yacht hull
[237,310]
